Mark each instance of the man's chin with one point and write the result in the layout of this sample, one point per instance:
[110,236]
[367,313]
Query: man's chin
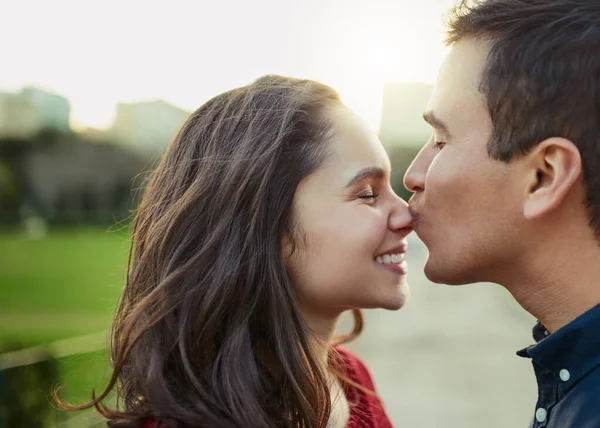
[441,275]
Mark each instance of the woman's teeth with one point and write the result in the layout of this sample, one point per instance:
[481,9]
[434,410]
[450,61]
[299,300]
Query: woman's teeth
[390,259]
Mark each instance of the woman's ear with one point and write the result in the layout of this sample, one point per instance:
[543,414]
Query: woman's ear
[287,247]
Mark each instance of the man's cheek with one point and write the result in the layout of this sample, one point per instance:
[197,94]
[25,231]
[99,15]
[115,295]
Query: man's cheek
[441,181]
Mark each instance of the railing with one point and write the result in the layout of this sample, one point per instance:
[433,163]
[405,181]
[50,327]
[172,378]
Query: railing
[45,358]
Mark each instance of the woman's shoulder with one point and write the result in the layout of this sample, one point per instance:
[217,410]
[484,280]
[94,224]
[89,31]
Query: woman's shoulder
[368,410]
[355,367]
[152,423]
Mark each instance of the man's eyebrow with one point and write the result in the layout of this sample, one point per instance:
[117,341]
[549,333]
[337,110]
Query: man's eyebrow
[436,122]
[370,172]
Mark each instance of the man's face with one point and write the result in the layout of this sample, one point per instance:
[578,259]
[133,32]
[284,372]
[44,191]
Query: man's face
[466,205]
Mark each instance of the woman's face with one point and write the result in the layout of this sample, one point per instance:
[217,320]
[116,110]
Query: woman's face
[352,227]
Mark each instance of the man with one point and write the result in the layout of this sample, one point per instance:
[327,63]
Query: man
[507,190]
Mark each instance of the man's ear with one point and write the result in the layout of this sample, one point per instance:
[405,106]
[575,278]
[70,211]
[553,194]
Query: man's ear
[554,167]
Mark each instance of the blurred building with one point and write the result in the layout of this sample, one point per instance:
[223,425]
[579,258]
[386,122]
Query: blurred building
[24,114]
[80,182]
[94,134]
[402,121]
[147,126]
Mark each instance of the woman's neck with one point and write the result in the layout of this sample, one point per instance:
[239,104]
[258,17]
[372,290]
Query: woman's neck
[323,326]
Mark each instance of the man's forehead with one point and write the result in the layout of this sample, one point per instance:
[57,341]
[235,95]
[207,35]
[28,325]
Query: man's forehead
[463,67]
[458,82]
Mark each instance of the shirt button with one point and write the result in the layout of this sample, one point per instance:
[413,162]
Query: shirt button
[564,375]
[541,414]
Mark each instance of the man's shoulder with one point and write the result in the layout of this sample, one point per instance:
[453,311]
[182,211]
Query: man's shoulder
[580,408]
[587,390]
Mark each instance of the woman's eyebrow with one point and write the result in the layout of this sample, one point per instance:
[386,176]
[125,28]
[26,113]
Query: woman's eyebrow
[369,172]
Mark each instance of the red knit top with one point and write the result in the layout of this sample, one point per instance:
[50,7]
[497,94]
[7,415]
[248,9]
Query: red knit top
[366,410]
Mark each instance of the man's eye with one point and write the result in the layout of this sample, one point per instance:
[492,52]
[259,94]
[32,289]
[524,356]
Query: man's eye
[439,144]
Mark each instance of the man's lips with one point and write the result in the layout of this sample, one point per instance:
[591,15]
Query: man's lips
[412,209]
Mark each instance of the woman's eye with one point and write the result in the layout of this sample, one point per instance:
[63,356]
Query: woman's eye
[368,195]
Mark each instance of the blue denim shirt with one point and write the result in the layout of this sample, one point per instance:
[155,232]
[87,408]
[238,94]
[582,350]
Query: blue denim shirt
[567,368]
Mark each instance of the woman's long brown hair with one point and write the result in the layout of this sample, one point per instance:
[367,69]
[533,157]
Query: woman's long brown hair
[207,332]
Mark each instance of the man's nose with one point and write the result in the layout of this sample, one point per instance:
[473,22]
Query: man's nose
[414,179]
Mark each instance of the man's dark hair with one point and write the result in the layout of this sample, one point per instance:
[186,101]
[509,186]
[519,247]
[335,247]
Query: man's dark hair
[542,76]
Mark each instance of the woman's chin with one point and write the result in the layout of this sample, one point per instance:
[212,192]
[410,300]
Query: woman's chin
[393,300]
[399,299]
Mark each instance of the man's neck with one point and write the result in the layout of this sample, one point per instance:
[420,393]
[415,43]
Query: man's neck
[559,282]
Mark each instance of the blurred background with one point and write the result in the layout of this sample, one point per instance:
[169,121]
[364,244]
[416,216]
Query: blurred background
[92,93]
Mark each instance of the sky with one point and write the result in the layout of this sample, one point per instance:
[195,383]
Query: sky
[185,52]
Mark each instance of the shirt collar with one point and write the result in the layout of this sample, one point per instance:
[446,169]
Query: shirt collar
[574,347]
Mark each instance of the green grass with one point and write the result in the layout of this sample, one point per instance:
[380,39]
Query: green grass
[73,271]
[80,374]
[63,286]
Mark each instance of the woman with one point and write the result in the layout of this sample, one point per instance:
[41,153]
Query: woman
[269,216]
